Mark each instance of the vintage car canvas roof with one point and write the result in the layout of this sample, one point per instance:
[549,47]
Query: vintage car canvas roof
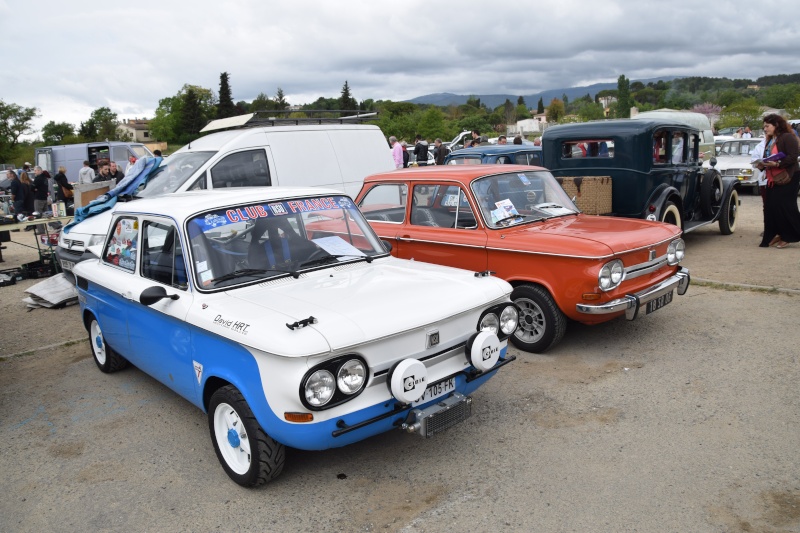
[183,205]
[498,149]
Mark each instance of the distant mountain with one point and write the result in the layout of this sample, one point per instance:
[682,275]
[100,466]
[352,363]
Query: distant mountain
[494,100]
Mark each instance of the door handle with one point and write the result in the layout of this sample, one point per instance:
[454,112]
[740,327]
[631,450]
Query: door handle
[404,238]
[127,295]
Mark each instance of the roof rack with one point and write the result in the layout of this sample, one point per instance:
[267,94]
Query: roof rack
[270,118]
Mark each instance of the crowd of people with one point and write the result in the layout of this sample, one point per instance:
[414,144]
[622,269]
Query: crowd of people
[402,156]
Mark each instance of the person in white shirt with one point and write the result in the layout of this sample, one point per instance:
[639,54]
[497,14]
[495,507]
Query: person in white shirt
[86,174]
[747,133]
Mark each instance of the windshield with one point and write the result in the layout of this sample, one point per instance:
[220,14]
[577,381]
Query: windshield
[141,151]
[172,173]
[520,197]
[247,243]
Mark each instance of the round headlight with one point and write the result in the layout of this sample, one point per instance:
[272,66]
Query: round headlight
[611,275]
[350,377]
[676,251]
[319,388]
[509,319]
[489,322]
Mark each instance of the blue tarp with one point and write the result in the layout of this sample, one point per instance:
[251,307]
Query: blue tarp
[137,175]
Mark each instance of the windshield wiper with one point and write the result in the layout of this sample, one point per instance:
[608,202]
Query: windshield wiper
[334,257]
[246,272]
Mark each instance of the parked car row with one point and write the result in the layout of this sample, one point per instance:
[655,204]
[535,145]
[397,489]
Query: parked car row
[312,318]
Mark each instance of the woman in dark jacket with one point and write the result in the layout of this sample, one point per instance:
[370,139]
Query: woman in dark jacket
[61,183]
[781,216]
[27,197]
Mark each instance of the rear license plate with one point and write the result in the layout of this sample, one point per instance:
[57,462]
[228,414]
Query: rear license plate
[67,265]
[658,303]
[437,389]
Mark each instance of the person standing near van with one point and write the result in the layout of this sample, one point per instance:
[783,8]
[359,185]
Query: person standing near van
[17,192]
[62,185]
[103,175]
[86,174]
[439,151]
[421,151]
[114,173]
[41,189]
[397,152]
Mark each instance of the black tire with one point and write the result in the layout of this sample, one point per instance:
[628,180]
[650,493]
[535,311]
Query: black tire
[672,215]
[727,219]
[711,193]
[250,457]
[541,322]
[106,359]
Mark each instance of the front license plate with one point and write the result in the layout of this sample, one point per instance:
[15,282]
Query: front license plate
[67,265]
[658,303]
[437,389]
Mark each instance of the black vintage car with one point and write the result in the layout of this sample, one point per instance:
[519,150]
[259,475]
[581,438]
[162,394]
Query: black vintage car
[655,167]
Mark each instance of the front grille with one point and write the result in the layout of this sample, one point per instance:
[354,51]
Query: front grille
[74,244]
[72,253]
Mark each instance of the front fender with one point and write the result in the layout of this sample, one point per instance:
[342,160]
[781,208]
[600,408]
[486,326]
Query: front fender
[659,198]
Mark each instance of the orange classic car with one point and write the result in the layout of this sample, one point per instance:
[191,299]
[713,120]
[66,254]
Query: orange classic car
[518,223]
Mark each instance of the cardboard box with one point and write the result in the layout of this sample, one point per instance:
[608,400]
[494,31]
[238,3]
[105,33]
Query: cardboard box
[592,193]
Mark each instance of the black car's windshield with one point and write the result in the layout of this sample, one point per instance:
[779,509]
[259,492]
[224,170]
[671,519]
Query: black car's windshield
[520,197]
[172,173]
[252,242]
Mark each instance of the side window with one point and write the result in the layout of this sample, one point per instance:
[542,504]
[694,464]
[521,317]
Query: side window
[119,153]
[584,149]
[162,256]
[441,206]
[660,140]
[121,248]
[385,203]
[678,149]
[465,161]
[242,169]
[199,184]
[694,149]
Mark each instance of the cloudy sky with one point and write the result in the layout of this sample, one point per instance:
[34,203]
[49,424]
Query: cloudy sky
[67,58]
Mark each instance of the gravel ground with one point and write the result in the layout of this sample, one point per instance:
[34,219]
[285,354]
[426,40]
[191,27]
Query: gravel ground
[685,420]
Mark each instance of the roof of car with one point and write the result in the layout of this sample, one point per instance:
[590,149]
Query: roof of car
[182,205]
[462,173]
[623,126]
[494,149]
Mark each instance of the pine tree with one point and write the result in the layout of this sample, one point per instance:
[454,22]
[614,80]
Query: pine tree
[521,101]
[280,101]
[624,102]
[346,100]
[540,107]
[192,119]
[225,107]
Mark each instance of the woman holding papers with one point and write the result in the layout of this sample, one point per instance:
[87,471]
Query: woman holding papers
[781,216]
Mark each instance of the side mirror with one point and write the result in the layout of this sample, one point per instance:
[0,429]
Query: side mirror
[713,161]
[387,245]
[155,294]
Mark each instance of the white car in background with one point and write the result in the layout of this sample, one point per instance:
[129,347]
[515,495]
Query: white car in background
[733,159]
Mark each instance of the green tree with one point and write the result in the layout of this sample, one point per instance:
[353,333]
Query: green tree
[624,100]
[745,112]
[106,124]
[540,107]
[431,123]
[346,100]
[779,96]
[54,133]
[522,112]
[729,97]
[555,111]
[590,111]
[472,101]
[565,99]
[225,107]
[280,100]
[15,121]
[262,102]
[521,100]
[192,116]
[509,112]
[165,126]
[88,130]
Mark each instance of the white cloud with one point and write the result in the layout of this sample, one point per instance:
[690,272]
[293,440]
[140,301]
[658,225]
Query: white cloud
[81,55]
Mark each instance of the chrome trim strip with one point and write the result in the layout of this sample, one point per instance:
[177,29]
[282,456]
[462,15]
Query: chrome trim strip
[633,272]
[405,239]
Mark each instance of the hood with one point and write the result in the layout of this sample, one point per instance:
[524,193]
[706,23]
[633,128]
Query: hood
[352,304]
[588,236]
[734,161]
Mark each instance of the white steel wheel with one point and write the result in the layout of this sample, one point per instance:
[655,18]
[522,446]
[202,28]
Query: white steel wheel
[232,438]
[98,343]
[248,455]
[105,357]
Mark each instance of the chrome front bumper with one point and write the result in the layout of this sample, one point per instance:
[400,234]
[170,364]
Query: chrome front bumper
[631,303]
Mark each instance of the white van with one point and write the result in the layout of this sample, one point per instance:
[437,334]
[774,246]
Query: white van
[337,156]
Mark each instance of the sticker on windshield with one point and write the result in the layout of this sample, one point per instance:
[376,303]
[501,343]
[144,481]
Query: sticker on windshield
[505,209]
[524,179]
[450,200]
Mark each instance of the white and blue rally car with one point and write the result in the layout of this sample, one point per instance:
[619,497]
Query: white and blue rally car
[280,313]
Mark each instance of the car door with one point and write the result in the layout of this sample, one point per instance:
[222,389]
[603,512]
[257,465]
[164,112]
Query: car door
[161,340]
[442,228]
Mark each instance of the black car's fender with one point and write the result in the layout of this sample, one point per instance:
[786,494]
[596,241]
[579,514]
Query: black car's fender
[661,195]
